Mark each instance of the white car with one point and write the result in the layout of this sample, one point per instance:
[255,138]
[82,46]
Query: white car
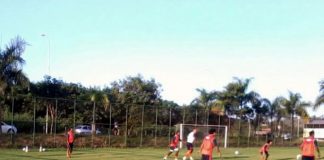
[6,128]
[85,129]
[286,136]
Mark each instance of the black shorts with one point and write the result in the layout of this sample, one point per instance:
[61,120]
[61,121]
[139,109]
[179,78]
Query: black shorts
[308,158]
[265,154]
[205,157]
[189,146]
[71,147]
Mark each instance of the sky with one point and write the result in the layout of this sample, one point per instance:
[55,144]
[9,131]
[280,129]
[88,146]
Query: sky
[182,44]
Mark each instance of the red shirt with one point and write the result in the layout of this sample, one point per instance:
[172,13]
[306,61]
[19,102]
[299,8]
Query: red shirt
[308,147]
[207,145]
[175,140]
[265,148]
[70,137]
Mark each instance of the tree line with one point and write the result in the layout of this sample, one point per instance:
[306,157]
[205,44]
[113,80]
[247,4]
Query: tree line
[235,100]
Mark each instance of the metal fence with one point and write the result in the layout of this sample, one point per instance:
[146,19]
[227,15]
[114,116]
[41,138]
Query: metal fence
[45,121]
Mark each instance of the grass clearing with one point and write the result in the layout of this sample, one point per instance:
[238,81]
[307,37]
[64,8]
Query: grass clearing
[276,153]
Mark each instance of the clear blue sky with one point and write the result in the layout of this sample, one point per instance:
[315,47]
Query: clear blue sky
[183,44]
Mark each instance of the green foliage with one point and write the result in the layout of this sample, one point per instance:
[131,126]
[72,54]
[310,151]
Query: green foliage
[320,99]
[133,95]
[11,74]
[11,63]
[17,116]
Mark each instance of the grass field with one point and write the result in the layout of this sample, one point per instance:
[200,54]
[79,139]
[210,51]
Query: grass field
[276,153]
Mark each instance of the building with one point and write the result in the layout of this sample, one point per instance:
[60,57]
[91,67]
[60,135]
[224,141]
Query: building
[317,125]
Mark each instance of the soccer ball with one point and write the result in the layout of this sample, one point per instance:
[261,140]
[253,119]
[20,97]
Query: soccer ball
[24,149]
[298,157]
[237,152]
[44,149]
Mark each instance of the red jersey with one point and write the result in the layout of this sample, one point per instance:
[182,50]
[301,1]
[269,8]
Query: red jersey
[70,137]
[265,148]
[308,147]
[175,140]
[207,145]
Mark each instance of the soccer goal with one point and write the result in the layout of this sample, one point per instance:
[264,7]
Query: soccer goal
[202,131]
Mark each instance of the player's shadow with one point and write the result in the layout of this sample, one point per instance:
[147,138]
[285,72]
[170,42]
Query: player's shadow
[236,157]
[246,157]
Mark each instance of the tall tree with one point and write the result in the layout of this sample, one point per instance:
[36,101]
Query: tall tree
[260,107]
[295,106]
[134,93]
[48,90]
[276,111]
[237,100]
[320,99]
[205,101]
[11,69]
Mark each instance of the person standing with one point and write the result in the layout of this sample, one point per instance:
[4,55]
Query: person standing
[190,141]
[69,143]
[207,146]
[116,129]
[174,146]
[308,147]
[264,150]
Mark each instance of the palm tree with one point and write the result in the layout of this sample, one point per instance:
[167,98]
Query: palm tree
[11,63]
[261,109]
[236,100]
[295,106]
[219,108]
[276,110]
[205,100]
[320,99]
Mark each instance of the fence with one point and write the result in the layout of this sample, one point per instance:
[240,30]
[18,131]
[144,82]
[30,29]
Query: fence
[44,121]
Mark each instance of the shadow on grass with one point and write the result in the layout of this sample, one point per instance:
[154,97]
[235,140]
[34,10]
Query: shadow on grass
[246,157]
[236,157]
[17,156]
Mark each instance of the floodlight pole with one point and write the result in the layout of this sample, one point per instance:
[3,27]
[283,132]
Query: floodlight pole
[49,53]
[49,74]
[298,126]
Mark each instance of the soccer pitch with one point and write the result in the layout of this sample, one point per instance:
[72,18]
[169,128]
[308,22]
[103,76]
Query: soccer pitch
[276,153]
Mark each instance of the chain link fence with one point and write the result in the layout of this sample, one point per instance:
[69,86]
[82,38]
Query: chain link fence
[45,121]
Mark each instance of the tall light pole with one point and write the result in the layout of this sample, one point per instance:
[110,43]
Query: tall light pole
[298,118]
[49,53]
[49,74]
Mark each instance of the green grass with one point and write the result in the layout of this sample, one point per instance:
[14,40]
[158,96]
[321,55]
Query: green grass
[276,153]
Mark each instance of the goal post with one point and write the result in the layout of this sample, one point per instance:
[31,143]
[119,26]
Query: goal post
[202,131]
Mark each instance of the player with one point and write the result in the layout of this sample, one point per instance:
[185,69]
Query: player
[116,129]
[264,150]
[308,147]
[207,146]
[174,146]
[190,141]
[69,143]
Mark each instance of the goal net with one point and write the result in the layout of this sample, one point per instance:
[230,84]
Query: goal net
[202,131]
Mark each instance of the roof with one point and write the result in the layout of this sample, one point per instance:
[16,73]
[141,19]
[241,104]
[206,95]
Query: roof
[317,121]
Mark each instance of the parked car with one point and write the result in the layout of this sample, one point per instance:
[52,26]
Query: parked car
[85,129]
[286,136]
[9,129]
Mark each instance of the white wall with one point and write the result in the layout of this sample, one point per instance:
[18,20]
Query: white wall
[319,132]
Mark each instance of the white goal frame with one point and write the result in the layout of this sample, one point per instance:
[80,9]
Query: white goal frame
[208,126]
